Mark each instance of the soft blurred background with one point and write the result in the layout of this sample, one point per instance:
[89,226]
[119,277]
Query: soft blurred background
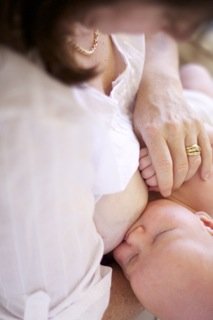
[199,49]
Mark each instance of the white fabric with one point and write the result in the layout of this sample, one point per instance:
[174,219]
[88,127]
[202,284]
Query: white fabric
[50,251]
[37,306]
[202,105]
[49,269]
[119,104]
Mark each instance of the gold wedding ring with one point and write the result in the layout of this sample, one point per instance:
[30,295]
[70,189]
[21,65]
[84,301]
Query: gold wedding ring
[193,150]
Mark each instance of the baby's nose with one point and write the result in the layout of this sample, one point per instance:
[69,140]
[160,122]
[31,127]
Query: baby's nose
[123,253]
[136,236]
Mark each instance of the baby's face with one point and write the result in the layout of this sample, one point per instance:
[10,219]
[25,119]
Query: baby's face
[166,257]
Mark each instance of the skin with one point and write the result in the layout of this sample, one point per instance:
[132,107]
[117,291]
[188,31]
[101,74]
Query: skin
[170,247]
[105,85]
[163,119]
[155,115]
[193,77]
[109,21]
[167,255]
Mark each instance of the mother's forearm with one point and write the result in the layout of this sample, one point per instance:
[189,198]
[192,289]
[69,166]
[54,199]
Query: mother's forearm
[161,55]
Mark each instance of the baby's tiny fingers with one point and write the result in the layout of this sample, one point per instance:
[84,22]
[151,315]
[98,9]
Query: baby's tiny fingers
[145,162]
[152,182]
[148,172]
[143,152]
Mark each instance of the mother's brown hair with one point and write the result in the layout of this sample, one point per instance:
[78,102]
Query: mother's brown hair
[42,24]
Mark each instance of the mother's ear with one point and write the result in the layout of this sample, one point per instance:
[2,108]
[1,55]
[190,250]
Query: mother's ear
[206,219]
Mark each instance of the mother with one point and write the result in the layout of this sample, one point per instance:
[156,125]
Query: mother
[51,268]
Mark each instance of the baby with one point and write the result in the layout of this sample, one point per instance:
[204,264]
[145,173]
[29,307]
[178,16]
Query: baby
[167,254]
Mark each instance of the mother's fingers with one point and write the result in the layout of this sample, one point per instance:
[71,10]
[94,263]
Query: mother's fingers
[186,165]
[179,158]
[206,154]
[170,160]
[162,163]
[202,160]
[194,163]
[193,152]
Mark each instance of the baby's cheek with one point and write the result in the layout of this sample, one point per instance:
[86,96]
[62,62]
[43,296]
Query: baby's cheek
[148,280]
[140,285]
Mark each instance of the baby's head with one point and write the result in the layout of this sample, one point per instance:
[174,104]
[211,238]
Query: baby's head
[167,256]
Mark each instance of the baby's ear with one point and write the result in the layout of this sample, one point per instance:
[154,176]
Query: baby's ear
[206,219]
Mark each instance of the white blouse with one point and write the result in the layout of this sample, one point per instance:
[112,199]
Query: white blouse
[50,250]
[116,110]
[60,147]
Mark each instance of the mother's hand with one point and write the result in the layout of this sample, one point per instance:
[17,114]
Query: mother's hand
[166,123]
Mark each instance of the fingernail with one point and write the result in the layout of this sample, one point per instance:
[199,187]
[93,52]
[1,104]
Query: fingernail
[206,176]
[166,193]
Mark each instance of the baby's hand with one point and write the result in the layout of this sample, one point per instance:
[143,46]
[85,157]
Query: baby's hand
[147,170]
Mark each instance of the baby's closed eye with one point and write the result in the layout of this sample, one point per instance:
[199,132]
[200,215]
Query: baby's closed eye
[161,234]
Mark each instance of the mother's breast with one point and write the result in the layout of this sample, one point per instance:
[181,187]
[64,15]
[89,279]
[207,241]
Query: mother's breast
[115,213]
